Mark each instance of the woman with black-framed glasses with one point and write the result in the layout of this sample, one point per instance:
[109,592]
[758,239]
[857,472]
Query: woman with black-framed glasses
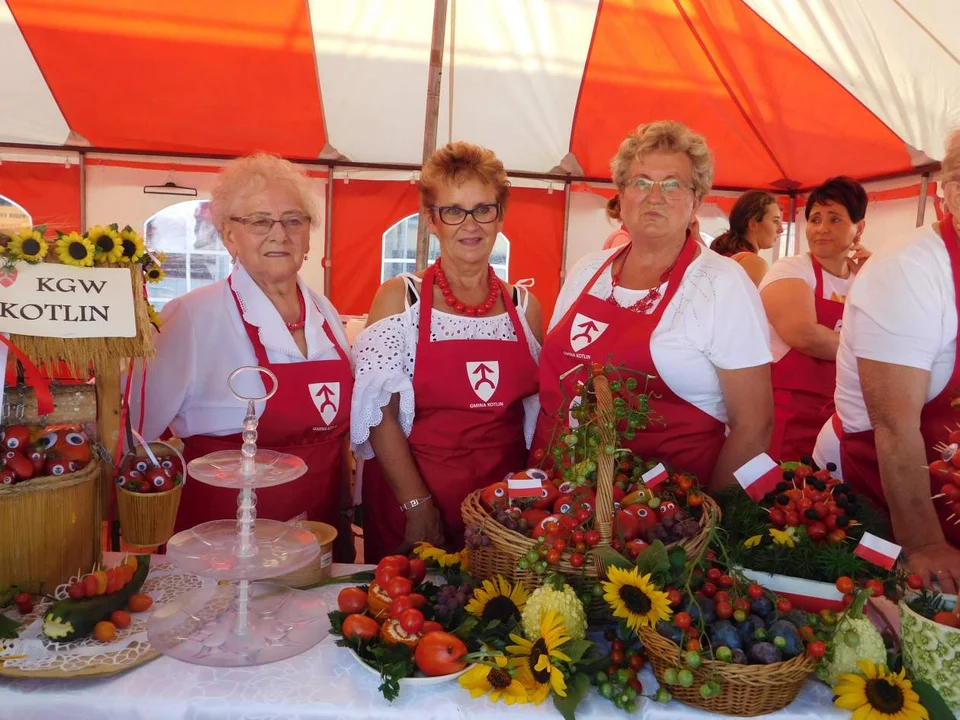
[445,399]
[263,314]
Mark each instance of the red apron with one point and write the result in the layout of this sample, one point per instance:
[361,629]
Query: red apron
[307,417]
[468,427]
[594,330]
[858,453]
[803,386]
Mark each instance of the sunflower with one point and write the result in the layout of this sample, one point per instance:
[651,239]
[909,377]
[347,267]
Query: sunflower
[427,552]
[73,249]
[28,244]
[106,242]
[154,274]
[160,257]
[533,660]
[497,599]
[131,245]
[154,317]
[879,694]
[496,680]
[635,598]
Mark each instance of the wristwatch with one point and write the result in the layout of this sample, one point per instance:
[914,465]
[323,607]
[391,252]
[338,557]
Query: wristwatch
[416,502]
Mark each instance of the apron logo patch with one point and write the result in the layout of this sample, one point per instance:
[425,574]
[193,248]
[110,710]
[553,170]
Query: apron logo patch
[484,378]
[584,331]
[326,396]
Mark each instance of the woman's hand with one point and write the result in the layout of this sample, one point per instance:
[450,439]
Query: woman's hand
[939,562]
[858,256]
[423,525]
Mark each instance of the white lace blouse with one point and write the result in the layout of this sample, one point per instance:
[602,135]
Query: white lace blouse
[384,356]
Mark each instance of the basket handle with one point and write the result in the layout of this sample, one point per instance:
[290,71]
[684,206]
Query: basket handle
[603,521]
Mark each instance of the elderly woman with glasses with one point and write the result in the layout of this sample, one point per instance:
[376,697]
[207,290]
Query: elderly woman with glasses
[670,309]
[446,367]
[262,314]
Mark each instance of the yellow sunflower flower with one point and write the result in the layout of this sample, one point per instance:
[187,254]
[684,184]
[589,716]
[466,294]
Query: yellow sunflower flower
[154,317]
[497,599]
[154,274]
[131,245]
[429,553]
[160,257]
[783,537]
[635,598]
[73,249]
[878,694]
[534,661]
[27,244]
[497,681]
[106,243]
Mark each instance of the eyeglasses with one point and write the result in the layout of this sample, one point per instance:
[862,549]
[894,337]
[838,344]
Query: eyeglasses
[671,188]
[453,215]
[260,225]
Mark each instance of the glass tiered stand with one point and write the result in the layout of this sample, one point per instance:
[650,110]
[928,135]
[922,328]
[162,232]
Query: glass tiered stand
[234,623]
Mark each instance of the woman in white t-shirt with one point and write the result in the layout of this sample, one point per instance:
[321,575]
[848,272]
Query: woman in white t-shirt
[897,374]
[666,306]
[803,296]
[755,224]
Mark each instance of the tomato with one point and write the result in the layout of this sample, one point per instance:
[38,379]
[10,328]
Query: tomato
[398,587]
[352,600]
[411,621]
[756,592]
[360,627]
[722,596]
[694,645]
[591,538]
[139,602]
[121,619]
[90,585]
[386,572]
[417,600]
[105,631]
[76,591]
[835,537]
[636,661]
[876,586]
[24,602]
[576,560]
[947,618]
[682,620]
[439,653]
[553,557]
[402,562]
[101,578]
[709,589]
[399,606]
[742,604]
[724,610]
[784,606]
[20,466]
[915,582]
[418,570]
[817,649]
[431,626]
[845,584]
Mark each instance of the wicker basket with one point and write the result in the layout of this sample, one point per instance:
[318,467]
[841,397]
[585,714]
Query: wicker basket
[507,546]
[148,519]
[748,690]
[320,568]
[49,528]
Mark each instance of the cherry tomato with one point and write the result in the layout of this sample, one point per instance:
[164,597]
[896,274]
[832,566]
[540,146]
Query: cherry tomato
[848,600]
[742,604]
[682,620]
[636,685]
[90,585]
[722,596]
[553,557]
[617,646]
[385,573]
[694,645]
[440,653]
[724,610]
[709,589]
[360,627]
[121,619]
[399,606]
[591,538]
[418,570]
[835,537]
[578,537]
[139,602]
[784,606]
[947,618]
[411,621]
[673,595]
[402,562]
[352,600]
[817,649]
[431,626]
[726,581]
[398,587]
[636,661]
[713,574]
[876,586]
[105,631]
[756,592]
[417,600]
[915,581]
[559,545]
[617,657]
[76,591]
[845,584]
[576,560]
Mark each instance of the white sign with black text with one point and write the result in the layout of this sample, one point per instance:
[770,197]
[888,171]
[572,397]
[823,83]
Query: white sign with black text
[54,300]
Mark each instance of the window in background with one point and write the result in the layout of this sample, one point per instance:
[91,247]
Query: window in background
[12,216]
[195,254]
[400,250]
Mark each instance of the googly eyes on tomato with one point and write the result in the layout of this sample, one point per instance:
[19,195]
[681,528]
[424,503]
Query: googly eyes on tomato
[166,463]
[57,467]
[72,466]
[642,512]
[75,439]
[564,508]
[122,480]
[536,474]
[667,507]
[159,481]
[499,492]
[141,466]
[47,441]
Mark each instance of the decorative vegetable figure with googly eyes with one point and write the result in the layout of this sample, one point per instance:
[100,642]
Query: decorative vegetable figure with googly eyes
[494,497]
[646,516]
[668,508]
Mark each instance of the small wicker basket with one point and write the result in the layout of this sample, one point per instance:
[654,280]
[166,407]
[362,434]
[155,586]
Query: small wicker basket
[321,568]
[748,690]
[148,519]
[507,546]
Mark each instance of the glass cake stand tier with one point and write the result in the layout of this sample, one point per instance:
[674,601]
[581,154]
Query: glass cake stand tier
[226,469]
[239,625]
[214,549]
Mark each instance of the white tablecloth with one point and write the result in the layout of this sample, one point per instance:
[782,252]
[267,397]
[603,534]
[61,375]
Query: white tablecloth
[324,683]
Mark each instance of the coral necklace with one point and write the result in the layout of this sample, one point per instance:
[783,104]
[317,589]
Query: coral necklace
[643,305]
[298,325]
[461,307]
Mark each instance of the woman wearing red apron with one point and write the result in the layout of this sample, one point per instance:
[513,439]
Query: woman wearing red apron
[452,420]
[897,375]
[664,306]
[803,296]
[262,315]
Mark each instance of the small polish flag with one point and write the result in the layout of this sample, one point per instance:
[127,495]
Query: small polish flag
[877,551]
[653,477]
[758,476]
[525,484]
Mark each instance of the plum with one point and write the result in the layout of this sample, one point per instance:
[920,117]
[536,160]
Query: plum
[703,605]
[788,631]
[722,632]
[670,631]
[739,657]
[764,653]
[748,627]
[762,606]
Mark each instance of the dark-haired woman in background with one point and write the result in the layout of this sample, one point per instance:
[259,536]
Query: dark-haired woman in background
[755,225]
[803,296]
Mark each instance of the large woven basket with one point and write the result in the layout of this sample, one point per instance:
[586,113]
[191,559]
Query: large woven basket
[148,519]
[49,528]
[747,690]
[507,546]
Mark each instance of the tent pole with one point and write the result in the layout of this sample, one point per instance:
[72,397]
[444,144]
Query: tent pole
[328,234]
[432,114]
[566,232]
[922,207]
[83,193]
[791,227]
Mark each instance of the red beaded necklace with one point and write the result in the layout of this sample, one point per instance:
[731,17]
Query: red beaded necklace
[473,310]
[299,324]
[643,305]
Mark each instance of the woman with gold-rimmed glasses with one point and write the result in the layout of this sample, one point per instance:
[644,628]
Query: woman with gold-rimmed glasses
[446,367]
[263,314]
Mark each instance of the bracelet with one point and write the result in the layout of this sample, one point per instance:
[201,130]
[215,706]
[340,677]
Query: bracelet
[416,502]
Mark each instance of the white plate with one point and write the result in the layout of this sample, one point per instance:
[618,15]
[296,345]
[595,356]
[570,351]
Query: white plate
[410,681]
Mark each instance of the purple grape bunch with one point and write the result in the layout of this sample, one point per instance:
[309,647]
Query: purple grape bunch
[450,599]
[474,537]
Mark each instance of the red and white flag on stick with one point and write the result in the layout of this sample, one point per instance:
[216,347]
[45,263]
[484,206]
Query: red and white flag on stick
[525,484]
[758,476]
[877,551]
[654,476]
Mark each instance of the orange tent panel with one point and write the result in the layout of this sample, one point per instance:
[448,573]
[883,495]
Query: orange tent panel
[49,192]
